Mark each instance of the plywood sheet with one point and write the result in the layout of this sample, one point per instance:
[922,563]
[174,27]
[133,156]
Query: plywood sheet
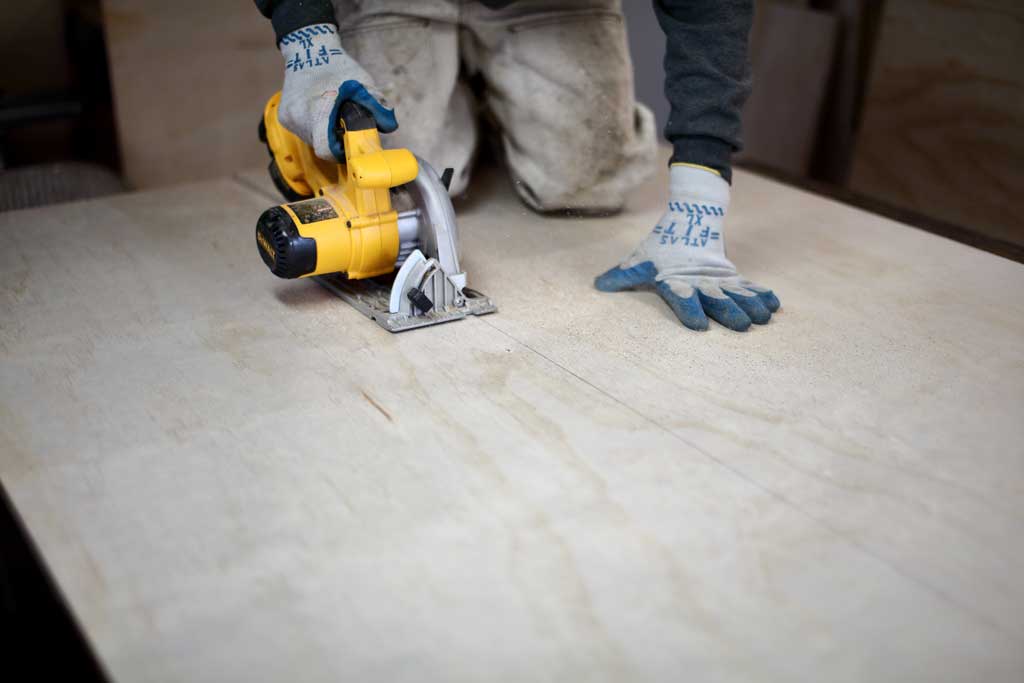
[943,127]
[190,80]
[236,477]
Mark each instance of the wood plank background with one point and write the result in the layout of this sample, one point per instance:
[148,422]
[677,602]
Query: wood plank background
[943,127]
[791,50]
[190,79]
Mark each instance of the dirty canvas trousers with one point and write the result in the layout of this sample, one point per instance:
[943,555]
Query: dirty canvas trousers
[556,75]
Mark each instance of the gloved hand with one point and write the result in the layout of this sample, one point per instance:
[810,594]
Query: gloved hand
[318,77]
[683,258]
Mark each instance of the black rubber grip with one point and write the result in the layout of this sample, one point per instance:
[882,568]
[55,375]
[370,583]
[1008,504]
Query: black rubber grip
[356,117]
[419,299]
[287,253]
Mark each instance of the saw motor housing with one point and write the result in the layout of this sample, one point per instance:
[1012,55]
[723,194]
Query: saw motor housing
[347,224]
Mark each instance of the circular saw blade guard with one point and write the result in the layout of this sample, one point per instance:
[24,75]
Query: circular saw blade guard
[430,286]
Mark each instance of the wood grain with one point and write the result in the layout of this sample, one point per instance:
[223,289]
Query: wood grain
[943,127]
[235,477]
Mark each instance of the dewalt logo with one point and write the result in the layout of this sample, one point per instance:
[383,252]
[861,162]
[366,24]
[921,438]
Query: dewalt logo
[266,246]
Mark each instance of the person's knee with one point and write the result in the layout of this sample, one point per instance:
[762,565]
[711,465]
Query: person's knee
[590,169]
[446,137]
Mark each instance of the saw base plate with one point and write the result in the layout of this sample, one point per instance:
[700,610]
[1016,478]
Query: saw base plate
[371,297]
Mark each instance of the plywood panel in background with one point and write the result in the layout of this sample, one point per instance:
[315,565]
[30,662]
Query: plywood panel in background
[190,79]
[791,51]
[943,128]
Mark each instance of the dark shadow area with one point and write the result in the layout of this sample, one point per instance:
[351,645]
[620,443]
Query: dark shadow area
[41,640]
[58,140]
[304,293]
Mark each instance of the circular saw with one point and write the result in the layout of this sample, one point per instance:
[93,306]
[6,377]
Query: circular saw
[377,229]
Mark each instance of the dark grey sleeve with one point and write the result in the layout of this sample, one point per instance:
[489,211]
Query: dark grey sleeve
[288,15]
[707,77]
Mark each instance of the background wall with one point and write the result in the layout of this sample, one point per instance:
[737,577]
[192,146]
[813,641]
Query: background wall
[32,35]
[916,105]
[190,80]
[943,125]
[58,141]
[647,45]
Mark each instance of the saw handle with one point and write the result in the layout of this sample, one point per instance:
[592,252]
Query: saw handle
[354,116]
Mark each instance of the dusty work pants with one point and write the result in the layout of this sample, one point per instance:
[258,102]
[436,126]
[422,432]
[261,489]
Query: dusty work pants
[556,75]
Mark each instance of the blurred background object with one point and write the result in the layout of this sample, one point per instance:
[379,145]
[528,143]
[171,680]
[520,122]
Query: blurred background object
[57,134]
[912,108]
[942,128]
[191,78]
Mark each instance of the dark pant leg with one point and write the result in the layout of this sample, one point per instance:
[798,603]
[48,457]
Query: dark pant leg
[707,77]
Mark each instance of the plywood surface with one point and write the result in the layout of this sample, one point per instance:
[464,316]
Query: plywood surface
[943,126]
[234,477]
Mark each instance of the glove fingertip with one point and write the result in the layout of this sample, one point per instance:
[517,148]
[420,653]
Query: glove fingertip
[767,296]
[725,312]
[688,310]
[752,305]
[606,282]
[740,322]
[696,324]
[770,301]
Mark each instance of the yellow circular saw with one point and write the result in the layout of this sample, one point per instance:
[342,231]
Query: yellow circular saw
[377,229]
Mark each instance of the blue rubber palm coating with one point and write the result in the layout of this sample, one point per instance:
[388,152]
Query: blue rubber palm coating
[355,91]
[617,279]
[752,306]
[689,310]
[770,301]
[725,311]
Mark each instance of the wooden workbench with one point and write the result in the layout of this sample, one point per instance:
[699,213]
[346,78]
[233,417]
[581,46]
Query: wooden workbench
[233,477]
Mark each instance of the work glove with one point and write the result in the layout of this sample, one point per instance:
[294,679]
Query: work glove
[683,258]
[318,77]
